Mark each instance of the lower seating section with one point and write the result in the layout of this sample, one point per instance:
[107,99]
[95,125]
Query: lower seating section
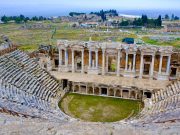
[27,89]
[164,105]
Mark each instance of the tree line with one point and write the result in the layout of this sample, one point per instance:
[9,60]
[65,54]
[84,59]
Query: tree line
[173,17]
[21,18]
[143,21]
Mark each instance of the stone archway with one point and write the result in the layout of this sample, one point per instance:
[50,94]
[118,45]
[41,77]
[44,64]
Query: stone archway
[90,90]
[111,92]
[83,89]
[96,91]
[133,94]
[118,93]
[104,91]
[76,88]
[139,94]
[125,94]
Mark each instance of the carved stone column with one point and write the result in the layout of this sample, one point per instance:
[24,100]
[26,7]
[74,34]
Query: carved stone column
[118,63]
[90,58]
[160,64]
[103,62]
[107,62]
[66,57]
[141,66]
[60,57]
[126,66]
[134,61]
[152,67]
[96,58]
[82,64]
[168,65]
[73,61]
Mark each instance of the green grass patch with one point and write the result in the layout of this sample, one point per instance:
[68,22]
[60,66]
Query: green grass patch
[174,43]
[99,109]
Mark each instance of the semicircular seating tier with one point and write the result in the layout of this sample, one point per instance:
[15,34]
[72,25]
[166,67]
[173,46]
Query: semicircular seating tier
[27,89]
[163,106]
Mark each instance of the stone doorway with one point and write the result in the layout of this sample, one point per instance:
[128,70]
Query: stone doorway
[56,61]
[96,91]
[125,94]
[90,90]
[118,93]
[147,94]
[103,91]
[173,72]
[83,89]
[64,83]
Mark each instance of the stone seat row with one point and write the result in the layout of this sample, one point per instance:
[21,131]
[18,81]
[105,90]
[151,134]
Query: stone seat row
[163,102]
[28,64]
[170,90]
[27,89]
[14,94]
[10,72]
[23,81]
[31,111]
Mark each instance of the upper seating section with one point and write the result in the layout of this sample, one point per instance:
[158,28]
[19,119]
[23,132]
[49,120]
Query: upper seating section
[27,89]
[19,70]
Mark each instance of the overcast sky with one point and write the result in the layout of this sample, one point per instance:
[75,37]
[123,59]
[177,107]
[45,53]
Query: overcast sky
[65,6]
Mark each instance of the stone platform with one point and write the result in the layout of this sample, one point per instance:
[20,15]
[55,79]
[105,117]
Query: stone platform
[112,80]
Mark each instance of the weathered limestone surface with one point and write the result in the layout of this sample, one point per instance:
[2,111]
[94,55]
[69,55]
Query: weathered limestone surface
[17,125]
[112,80]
